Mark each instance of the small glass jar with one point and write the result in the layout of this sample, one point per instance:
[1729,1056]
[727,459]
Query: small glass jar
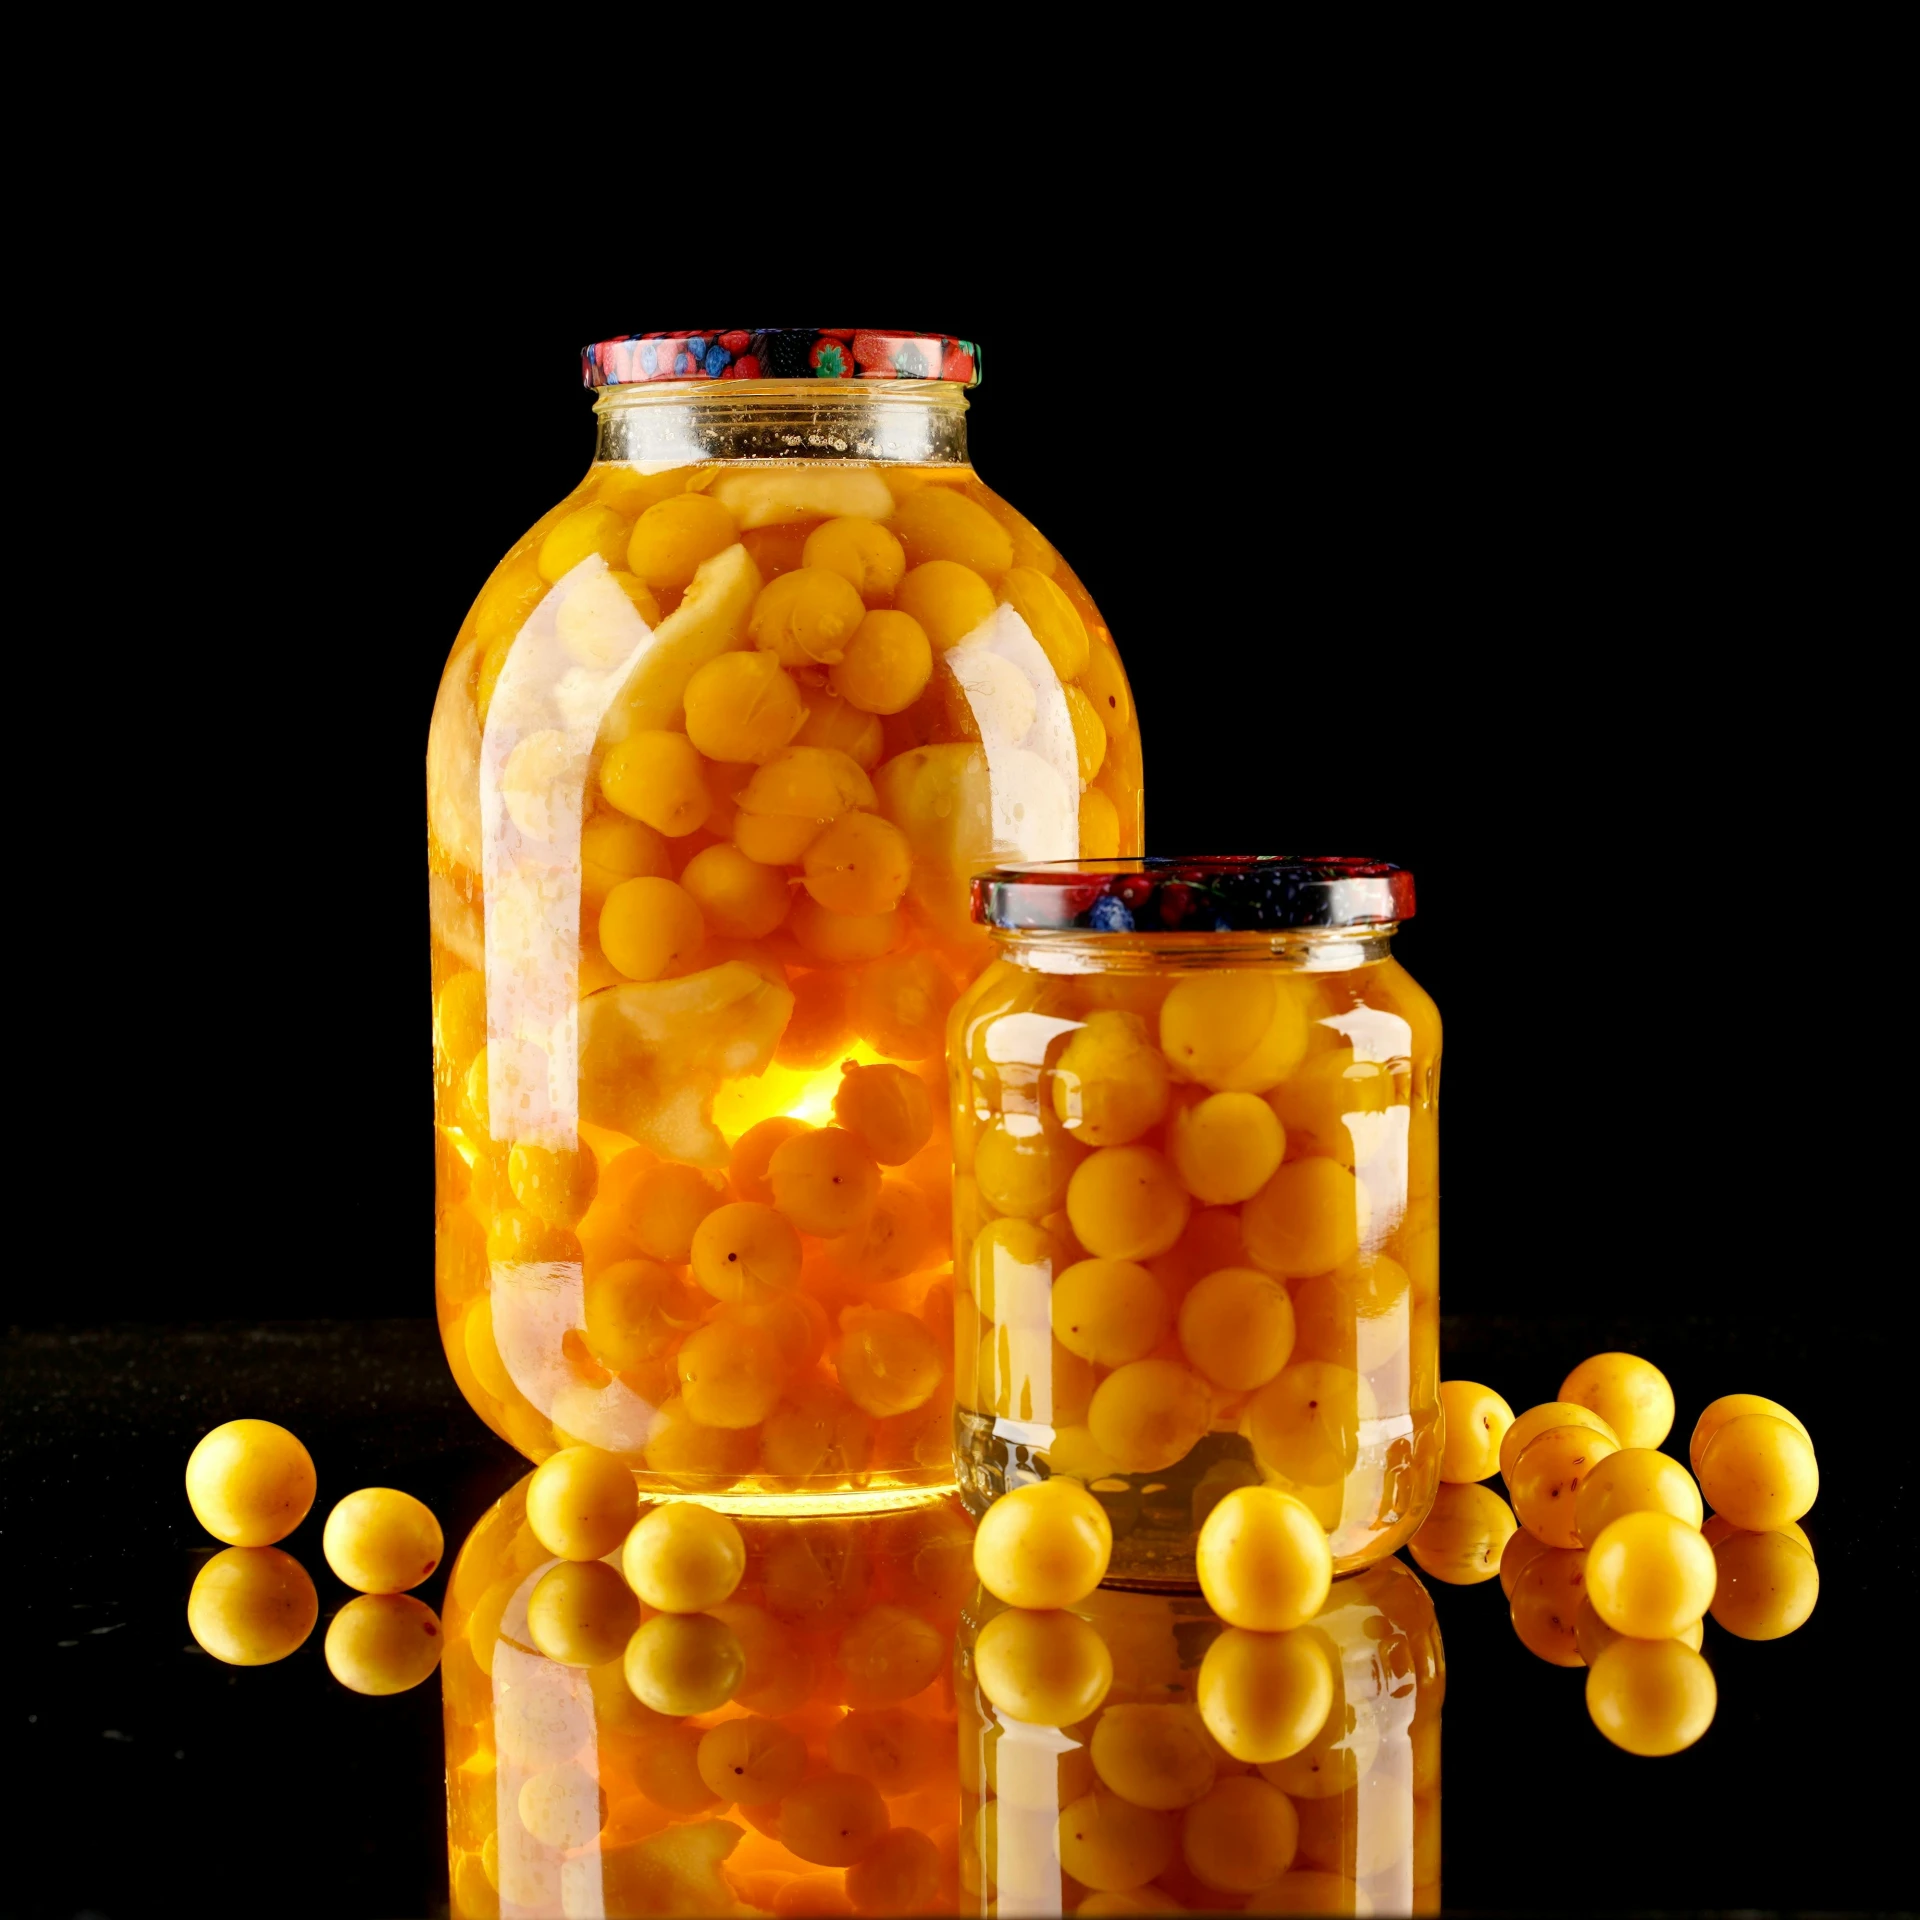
[715,756]
[1196,1198]
[1127,1799]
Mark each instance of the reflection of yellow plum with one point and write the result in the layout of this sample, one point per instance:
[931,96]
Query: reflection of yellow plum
[1593,1636]
[1717,1527]
[1546,1599]
[1651,1696]
[682,1663]
[1264,1696]
[582,1614]
[384,1643]
[251,1606]
[1767,1584]
[1049,1669]
[1520,1550]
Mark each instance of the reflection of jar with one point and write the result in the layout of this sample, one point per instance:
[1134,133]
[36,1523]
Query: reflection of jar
[714,756]
[830,1771]
[1196,1199]
[1350,1823]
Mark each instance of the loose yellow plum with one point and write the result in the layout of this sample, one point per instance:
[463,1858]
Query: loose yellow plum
[1477,1420]
[250,1483]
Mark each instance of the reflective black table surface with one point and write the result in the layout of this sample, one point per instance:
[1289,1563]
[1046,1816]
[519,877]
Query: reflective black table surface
[149,1778]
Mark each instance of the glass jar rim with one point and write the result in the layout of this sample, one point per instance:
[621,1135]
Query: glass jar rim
[779,353]
[1194,893]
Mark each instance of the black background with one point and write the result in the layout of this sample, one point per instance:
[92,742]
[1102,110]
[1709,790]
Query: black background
[1550,601]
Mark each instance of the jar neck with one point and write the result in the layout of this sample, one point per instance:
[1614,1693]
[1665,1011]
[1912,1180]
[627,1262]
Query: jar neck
[1311,949]
[918,423]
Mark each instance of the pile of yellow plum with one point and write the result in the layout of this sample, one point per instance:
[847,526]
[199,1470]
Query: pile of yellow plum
[250,1483]
[1607,1552]
[1137,1753]
[663,1709]
[713,761]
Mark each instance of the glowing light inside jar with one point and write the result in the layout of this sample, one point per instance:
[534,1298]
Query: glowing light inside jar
[800,1093]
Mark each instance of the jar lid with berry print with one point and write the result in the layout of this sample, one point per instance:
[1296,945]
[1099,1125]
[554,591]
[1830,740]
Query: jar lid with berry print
[780,353]
[1202,893]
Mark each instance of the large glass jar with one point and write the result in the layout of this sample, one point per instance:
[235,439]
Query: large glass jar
[1196,1198]
[714,756]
